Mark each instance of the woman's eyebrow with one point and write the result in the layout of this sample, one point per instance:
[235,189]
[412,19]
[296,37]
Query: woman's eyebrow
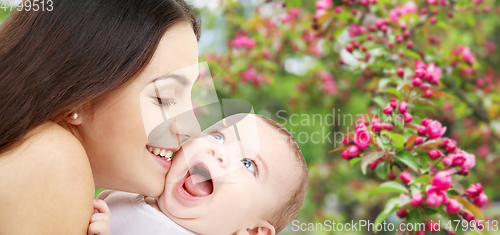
[180,78]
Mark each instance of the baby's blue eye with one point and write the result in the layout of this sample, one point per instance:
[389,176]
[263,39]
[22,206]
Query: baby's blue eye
[219,138]
[250,165]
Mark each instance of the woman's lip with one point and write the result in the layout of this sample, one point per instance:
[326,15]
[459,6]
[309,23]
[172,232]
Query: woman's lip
[166,148]
[162,162]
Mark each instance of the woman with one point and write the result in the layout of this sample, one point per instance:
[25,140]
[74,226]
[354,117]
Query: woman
[77,86]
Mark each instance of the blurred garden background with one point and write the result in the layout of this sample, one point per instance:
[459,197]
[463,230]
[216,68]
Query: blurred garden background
[318,66]
[291,60]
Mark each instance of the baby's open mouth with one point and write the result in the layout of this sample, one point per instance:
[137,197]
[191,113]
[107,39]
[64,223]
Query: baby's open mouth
[199,181]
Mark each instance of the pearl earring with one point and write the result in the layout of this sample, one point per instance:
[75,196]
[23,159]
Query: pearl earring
[73,115]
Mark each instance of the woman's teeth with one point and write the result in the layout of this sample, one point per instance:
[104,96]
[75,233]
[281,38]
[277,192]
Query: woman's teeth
[165,154]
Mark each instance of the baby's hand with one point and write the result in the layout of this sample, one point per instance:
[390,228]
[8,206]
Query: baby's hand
[100,221]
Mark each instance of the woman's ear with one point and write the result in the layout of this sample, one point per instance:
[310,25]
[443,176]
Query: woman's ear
[75,117]
[262,228]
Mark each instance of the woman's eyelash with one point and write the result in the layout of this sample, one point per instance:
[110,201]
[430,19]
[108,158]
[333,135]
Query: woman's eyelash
[167,103]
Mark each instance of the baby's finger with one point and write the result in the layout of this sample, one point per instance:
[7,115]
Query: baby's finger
[101,206]
[100,217]
[98,228]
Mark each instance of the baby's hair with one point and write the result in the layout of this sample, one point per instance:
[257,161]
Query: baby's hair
[294,198]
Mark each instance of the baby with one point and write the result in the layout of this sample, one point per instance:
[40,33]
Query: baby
[246,175]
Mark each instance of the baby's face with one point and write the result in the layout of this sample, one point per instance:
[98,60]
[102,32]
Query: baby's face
[220,183]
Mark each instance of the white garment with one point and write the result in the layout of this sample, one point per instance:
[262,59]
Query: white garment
[131,215]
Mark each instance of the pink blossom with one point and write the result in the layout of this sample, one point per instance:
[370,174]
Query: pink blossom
[417,200]
[458,160]
[418,140]
[345,155]
[353,151]
[468,55]
[435,130]
[329,84]
[356,30]
[447,160]
[434,73]
[474,190]
[362,137]
[405,177]
[470,161]
[290,15]
[421,130]
[398,11]
[441,181]
[420,65]
[324,4]
[249,75]
[480,200]
[434,200]
[395,13]
[453,207]
[319,13]
[241,40]
[402,213]
[316,50]
[483,150]
[468,216]
[451,145]
[403,106]
[417,82]
[407,117]
[434,154]
[309,36]
[388,110]
[266,53]
[432,2]
[409,7]
[376,127]
[387,126]
[437,195]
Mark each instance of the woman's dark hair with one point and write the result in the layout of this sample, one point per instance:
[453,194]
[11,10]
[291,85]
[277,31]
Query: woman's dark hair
[54,61]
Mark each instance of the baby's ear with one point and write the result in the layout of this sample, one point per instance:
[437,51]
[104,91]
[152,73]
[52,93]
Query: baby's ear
[262,228]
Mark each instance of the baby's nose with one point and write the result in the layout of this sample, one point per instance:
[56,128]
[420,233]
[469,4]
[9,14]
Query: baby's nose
[220,156]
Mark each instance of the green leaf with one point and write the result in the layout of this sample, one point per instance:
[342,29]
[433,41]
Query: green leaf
[424,179]
[380,101]
[408,159]
[430,211]
[397,139]
[414,216]
[382,170]
[294,3]
[413,54]
[369,156]
[390,207]
[426,107]
[353,161]
[389,187]
[383,82]
[393,91]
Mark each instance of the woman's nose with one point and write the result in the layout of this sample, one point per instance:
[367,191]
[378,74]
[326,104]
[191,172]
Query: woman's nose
[186,126]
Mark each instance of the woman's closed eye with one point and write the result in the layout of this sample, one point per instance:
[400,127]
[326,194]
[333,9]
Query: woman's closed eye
[165,102]
[250,164]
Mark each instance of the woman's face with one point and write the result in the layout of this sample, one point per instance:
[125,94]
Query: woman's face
[153,111]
